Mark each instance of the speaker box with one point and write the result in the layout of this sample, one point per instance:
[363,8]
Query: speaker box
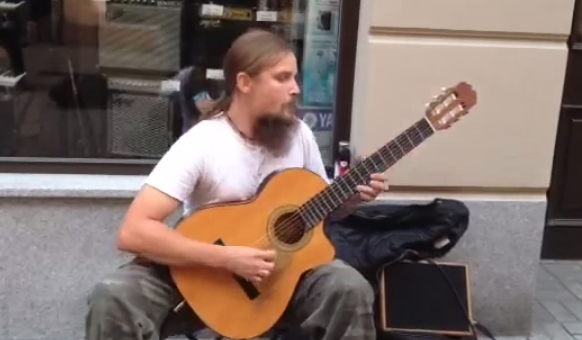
[425,297]
[140,121]
[140,36]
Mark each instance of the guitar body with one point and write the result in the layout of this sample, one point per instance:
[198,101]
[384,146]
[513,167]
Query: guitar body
[233,307]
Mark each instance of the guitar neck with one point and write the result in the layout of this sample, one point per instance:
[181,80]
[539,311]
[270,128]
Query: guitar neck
[344,187]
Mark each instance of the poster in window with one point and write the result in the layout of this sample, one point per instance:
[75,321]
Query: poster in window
[320,52]
[321,121]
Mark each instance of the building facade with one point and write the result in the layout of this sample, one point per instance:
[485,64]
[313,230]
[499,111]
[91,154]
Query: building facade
[516,55]
[98,103]
[92,68]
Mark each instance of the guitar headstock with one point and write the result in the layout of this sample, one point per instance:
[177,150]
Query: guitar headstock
[448,107]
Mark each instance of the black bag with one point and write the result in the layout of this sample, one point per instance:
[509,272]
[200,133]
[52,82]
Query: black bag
[376,235]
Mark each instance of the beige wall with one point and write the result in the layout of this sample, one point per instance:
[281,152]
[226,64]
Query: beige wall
[514,54]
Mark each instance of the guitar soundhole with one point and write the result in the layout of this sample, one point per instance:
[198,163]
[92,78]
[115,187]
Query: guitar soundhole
[289,228]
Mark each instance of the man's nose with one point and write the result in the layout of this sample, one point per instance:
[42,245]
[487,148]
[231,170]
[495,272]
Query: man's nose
[295,90]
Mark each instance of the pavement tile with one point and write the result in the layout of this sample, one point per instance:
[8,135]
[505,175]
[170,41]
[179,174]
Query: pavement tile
[574,328]
[557,332]
[559,311]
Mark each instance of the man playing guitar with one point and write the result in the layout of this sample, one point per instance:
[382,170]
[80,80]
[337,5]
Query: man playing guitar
[252,132]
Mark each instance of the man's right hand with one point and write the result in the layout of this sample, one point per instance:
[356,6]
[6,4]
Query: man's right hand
[250,263]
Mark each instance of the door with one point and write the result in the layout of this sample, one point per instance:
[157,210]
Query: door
[563,230]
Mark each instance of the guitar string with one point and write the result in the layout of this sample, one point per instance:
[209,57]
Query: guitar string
[292,223]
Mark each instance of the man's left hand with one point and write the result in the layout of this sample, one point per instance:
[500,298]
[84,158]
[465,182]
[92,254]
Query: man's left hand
[365,193]
[378,184]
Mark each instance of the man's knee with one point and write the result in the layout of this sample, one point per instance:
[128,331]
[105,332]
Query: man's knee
[114,312]
[108,296]
[344,281]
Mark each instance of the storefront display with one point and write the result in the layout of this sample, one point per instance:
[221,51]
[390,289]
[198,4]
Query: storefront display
[135,74]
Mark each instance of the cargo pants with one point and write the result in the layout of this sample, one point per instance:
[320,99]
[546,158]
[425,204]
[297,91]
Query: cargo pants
[136,302]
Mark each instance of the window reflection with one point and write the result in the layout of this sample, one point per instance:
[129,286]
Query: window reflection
[576,37]
[124,78]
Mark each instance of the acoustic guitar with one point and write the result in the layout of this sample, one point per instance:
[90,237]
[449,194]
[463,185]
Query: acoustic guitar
[287,215]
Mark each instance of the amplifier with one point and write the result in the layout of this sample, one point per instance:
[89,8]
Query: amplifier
[140,120]
[425,297]
[140,35]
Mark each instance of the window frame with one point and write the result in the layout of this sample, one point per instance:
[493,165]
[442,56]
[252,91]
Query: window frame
[348,38]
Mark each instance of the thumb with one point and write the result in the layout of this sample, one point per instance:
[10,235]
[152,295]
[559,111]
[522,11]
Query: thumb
[266,255]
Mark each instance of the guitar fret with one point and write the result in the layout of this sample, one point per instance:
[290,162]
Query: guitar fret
[399,147]
[360,177]
[409,140]
[325,200]
[365,165]
[418,130]
[395,152]
[333,195]
[389,156]
[382,159]
[344,186]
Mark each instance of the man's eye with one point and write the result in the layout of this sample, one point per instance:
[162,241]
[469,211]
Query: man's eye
[284,77]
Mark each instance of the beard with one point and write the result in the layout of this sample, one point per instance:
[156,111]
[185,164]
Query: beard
[275,130]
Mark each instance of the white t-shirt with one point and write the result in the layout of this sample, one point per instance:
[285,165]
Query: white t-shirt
[212,163]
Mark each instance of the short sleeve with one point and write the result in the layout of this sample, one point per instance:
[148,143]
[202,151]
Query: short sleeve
[313,160]
[179,170]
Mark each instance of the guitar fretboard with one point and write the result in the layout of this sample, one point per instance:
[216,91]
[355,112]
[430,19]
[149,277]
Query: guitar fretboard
[344,187]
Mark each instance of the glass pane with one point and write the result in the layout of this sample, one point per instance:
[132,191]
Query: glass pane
[124,78]
[319,66]
[576,37]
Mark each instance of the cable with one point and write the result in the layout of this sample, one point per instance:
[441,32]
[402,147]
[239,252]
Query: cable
[457,296]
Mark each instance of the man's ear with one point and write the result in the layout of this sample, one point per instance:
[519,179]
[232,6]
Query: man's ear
[243,82]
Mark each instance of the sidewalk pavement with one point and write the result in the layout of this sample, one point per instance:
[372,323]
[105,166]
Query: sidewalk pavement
[557,311]
[558,306]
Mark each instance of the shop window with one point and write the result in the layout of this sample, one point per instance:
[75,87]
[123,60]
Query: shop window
[576,34]
[108,86]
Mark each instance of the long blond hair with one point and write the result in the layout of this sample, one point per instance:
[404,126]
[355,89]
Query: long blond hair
[251,53]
